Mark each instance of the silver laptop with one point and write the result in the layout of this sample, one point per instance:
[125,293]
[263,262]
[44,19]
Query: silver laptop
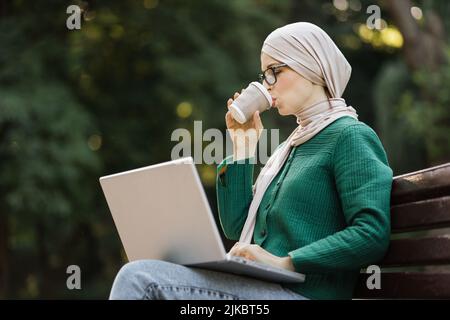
[161,212]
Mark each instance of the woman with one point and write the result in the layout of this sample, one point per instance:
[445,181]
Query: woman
[320,206]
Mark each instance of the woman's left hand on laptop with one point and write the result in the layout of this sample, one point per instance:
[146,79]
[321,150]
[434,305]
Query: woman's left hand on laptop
[255,253]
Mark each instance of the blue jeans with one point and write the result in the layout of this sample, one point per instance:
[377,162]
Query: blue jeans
[160,280]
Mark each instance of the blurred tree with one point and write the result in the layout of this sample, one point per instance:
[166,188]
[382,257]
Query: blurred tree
[423,45]
[75,105]
[46,161]
[425,101]
[396,71]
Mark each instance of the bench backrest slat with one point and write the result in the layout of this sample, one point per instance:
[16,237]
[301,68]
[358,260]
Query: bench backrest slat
[418,252]
[420,185]
[420,201]
[426,214]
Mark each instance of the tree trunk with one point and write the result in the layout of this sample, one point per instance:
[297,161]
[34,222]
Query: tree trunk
[4,221]
[2,8]
[4,250]
[423,47]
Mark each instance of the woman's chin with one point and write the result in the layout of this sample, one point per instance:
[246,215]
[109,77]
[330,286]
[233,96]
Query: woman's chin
[280,110]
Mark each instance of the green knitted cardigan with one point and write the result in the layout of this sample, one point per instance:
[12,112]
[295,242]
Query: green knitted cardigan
[327,208]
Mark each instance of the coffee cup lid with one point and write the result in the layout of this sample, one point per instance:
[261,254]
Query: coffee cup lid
[264,91]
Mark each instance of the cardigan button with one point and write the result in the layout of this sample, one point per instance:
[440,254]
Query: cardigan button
[263,232]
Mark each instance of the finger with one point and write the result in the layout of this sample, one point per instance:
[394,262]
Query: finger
[257,121]
[238,249]
[229,102]
[250,256]
[244,252]
[239,245]
[229,117]
[236,94]
[238,253]
[234,250]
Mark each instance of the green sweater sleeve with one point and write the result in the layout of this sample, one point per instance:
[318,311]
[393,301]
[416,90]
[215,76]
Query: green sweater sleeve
[234,183]
[363,180]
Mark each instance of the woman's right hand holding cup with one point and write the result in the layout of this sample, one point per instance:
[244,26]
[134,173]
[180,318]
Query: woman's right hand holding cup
[244,136]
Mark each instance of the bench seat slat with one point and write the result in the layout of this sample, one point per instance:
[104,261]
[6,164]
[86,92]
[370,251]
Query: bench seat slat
[406,285]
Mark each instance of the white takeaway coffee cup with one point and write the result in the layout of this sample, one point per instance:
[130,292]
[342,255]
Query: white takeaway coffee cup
[254,98]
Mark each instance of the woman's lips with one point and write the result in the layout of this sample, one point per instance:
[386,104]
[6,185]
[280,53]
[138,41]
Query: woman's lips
[273,102]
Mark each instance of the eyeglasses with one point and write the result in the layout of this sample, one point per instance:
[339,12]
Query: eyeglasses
[270,74]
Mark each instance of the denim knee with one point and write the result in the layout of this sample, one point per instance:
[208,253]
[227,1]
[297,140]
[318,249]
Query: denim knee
[133,278]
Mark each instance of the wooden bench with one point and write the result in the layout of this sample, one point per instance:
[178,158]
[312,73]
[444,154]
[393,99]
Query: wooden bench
[417,264]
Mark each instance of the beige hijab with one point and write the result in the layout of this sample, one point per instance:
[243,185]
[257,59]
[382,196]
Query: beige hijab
[308,50]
